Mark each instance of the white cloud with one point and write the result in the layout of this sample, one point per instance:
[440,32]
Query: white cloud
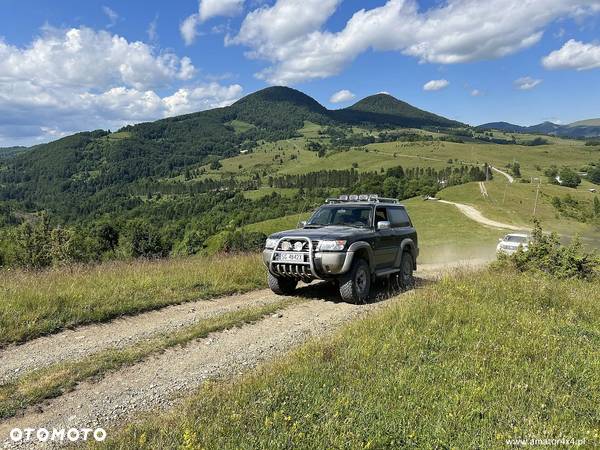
[208,9]
[95,59]
[189,29]
[152,29]
[78,79]
[527,83]
[475,93]
[342,96]
[216,8]
[113,17]
[435,85]
[289,34]
[574,55]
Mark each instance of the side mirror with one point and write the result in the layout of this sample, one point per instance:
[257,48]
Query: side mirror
[302,224]
[500,239]
[384,225]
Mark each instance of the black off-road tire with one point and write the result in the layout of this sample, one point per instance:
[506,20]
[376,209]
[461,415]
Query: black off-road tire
[356,284]
[406,277]
[282,286]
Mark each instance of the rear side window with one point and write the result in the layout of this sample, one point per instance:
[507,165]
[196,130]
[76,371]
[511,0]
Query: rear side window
[398,217]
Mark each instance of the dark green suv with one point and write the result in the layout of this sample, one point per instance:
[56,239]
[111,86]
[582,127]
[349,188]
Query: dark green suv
[350,240]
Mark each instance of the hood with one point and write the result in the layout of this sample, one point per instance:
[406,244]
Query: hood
[330,233]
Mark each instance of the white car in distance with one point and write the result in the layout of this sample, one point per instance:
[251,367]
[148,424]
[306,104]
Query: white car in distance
[510,243]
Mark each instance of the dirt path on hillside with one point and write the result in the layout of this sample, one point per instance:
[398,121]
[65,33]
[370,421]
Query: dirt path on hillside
[475,215]
[483,189]
[502,172]
[161,380]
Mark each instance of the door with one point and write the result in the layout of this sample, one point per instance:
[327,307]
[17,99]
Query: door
[385,249]
[401,227]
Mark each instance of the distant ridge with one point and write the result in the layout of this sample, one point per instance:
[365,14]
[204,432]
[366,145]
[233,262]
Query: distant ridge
[582,129]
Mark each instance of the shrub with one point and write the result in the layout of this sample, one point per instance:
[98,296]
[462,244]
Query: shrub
[145,241]
[243,241]
[546,254]
[569,178]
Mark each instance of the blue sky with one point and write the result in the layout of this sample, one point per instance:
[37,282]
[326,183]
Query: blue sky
[69,65]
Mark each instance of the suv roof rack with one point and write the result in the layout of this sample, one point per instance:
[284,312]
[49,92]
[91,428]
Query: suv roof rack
[368,198]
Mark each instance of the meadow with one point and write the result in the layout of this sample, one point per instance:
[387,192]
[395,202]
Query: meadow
[36,303]
[473,361]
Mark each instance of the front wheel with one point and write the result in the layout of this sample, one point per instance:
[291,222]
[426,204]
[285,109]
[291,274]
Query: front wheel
[356,284]
[282,286]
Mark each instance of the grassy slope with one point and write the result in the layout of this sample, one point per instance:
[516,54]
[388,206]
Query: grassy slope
[513,203]
[33,304]
[467,363]
[561,152]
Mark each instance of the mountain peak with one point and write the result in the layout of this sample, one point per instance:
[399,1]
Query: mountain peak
[384,107]
[282,94]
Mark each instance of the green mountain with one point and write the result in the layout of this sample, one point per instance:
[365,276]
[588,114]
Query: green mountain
[385,109]
[92,173]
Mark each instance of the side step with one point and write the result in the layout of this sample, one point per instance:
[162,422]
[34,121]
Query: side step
[386,272]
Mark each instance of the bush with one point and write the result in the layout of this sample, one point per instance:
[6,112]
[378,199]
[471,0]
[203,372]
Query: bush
[569,178]
[243,241]
[145,241]
[546,254]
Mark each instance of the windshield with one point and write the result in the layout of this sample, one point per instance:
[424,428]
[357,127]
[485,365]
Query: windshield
[351,216]
[518,239]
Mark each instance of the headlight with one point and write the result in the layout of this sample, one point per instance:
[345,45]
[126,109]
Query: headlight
[331,246]
[271,243]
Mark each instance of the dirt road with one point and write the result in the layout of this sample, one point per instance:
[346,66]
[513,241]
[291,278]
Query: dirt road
[503,173]
[475,215]
[161,380]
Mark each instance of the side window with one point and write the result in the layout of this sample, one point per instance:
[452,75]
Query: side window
[380,215]
[399,217]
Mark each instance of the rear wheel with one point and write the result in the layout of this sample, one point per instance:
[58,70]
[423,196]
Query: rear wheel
[282,286]
[406,275]
[356,284]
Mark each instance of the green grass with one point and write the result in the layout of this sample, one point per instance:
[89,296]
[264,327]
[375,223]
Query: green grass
[467,363]
[560,152]
[53,381]
[37,303]
[265,191]
[514,203]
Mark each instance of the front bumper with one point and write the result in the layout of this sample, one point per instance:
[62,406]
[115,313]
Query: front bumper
[324,265]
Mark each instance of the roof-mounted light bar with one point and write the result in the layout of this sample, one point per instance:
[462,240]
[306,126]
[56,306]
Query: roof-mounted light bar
[373,198]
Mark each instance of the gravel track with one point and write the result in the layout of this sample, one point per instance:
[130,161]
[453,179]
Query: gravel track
[159,381]
[72,345]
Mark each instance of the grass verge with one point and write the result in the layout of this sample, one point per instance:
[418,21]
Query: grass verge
[467,363]
[53,381]
[37,303]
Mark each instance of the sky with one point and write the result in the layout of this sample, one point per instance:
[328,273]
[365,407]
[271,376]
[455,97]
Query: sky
[73,65]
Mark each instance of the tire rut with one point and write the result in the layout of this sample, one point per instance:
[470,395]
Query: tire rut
[159,381]
[71,345]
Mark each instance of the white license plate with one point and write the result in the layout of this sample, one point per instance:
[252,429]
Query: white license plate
[291,257]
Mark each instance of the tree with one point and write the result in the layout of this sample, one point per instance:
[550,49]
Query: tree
[596,207]
[594,175]
[146,241]
[34,244]
[569,178]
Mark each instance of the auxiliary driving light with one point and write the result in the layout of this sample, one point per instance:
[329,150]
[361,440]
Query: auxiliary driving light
[286,246]
[298,246]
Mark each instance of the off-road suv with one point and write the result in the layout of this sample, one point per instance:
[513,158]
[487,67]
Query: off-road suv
[350,240]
